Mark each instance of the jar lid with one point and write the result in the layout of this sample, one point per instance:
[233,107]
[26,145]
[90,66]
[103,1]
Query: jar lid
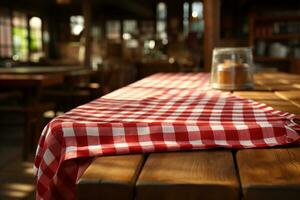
[232,49]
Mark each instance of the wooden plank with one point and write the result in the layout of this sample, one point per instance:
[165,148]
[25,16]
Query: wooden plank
[292,96]
[296,85]
[280,87]
[255,95]
[282,105]
[296,103]
[258,87]
[188,175]
[278,81]
[269,173]
[289,95]
[277,77]
[271,99]
[111,177]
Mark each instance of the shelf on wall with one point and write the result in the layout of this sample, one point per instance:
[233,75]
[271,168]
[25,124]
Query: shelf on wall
[279,37]
[277,18]
[271,59]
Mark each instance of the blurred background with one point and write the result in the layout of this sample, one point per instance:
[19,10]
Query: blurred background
[58,54]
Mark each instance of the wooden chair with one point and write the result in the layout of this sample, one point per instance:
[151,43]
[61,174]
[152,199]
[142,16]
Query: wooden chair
[32,125]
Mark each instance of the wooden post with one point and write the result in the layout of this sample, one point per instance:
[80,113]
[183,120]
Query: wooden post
[211,29]
[87,13]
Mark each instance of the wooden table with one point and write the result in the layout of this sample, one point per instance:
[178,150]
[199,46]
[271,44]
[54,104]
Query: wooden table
[44,70]
[67,71]
[272,173]
[31,86]
[30,81]
[40,76]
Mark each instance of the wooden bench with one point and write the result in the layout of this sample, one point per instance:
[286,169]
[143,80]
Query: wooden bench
[268,174]
[111,178]
[248,174]
[188,175]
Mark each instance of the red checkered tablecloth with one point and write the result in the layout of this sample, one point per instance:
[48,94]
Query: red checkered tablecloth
[163,112]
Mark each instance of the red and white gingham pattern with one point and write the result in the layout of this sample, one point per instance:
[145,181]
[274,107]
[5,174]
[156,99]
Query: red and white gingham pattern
[164,112]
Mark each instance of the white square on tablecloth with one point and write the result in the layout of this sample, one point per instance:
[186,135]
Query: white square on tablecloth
[192,128]
[221,142]
[265,125]
[48,157]
[217,128]
[121,145]
[270,140]
[71,149]
[143,130]
[92,131]
[118,131]
[145,144]
[246,143]
[68,132]
[168,129]
[196,142]
[241,127]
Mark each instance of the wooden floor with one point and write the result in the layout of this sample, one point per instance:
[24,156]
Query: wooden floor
[16,177]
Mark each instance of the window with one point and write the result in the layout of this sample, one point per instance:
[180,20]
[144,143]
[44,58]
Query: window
[197,24]
[161,21]
[130,28]
[113,30]
[77,24]
[197,10]
[36,45]
[5,35]
[186,18]
[20,37]
[193,18]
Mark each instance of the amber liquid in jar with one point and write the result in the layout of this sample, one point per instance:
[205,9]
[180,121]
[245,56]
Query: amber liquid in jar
[233,72]
[231,69]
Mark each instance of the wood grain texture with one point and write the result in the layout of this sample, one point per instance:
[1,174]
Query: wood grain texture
[282,105]
[278,81]
[111,177]
[188,175]
[289,95]
[271,99]
[280,87]
[277,77]
[269,173]
[257,95]
[296,103]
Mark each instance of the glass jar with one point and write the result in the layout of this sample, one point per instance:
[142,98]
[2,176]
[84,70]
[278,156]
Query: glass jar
[232,68]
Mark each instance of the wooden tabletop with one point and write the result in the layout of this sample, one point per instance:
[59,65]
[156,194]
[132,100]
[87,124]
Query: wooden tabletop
[30,85]
[45,74]
[248,174]
[44,70]
[29,80]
